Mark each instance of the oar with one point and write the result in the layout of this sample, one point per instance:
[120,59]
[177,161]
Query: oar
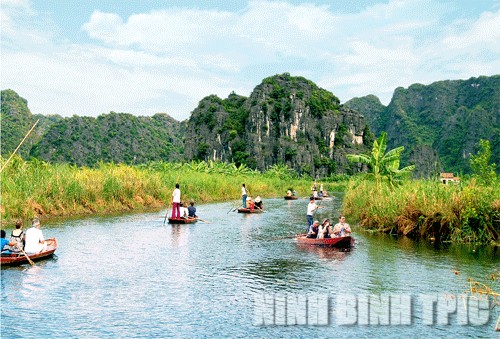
[166,214]
[29,260]
[232,209]
[288,236]
[208,222]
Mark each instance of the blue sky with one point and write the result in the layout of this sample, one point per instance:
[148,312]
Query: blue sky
[144,57]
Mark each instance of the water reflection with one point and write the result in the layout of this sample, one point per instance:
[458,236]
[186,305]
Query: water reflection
[146,279]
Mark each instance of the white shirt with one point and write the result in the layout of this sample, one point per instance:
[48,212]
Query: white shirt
[311,207]
[33,238]
[184,212]
[176,195]
[243,191]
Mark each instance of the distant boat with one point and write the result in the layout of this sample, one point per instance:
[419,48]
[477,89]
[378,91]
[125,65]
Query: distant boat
[340,242]
[182,220]
[248,210]
[15,259]
[291,197]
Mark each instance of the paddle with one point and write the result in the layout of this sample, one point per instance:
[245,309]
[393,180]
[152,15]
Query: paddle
[288,236]
[29,260]
[208,222]
[166,214]
[232,209]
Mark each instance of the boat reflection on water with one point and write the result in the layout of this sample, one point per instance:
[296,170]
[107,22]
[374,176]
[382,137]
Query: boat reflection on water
[324,252]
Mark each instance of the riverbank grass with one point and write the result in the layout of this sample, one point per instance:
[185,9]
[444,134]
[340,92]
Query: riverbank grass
[467,212]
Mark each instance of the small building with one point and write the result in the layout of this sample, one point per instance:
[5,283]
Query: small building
[446,178]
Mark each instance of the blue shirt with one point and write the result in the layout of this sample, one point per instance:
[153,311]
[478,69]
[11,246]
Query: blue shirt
[4,242]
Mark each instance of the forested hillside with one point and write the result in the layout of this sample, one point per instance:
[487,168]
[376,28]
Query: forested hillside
[84,141]
[439,124]
[285,120]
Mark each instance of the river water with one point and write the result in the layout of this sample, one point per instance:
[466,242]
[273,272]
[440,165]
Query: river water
[240,276]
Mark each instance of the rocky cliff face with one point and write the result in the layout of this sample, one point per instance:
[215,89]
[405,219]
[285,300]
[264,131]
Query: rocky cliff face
[286,120]
[439,124]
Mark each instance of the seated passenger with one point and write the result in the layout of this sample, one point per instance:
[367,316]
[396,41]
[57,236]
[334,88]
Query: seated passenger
[341,229]
[250,203]
[184,211]
[17,236]
[289,193]
[5,243]
[313,230]
[192,210]
[324,229]
[258,203]
[35,242]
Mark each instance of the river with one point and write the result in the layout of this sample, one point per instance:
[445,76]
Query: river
[240,275]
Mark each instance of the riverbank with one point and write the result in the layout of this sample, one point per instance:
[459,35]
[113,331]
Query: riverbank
[35,188]
[424,209]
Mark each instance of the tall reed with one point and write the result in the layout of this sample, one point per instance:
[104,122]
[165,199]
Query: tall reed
[428,209]
[35,188]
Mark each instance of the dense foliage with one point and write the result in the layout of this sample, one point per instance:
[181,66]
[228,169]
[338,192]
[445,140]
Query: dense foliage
[440,124]
[37,188]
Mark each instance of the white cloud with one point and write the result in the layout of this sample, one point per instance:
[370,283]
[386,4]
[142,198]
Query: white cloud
[167,60]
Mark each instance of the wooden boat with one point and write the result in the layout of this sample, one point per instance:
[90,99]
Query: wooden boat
[248,210]
[318,198]
[291,197]
[340,242]
[182,220]
[15,259]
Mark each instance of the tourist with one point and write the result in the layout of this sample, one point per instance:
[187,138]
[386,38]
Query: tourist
[342,228]
[289,193]
[258,203]
[311,208]
[324,229]
[250,204]
[184,210]
[192,210]
[176,202]
[5,243]
[17,236]
[313,230]
[244,195]
[35,241]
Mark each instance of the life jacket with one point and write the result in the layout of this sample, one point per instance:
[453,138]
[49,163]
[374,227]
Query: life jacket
[18,238]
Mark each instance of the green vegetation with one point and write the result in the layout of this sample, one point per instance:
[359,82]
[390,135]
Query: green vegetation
[38,188]
[427,209]
[467,212]
[482,169]
[382,164]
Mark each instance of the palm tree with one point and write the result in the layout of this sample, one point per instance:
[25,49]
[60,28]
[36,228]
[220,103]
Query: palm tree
[382,164]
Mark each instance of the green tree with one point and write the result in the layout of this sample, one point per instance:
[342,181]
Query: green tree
[382,164]
[479,163]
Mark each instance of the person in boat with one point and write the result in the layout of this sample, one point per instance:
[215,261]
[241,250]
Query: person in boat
[289,193]
[341,229]
[294,193]
[258,203]
[313,230]
[244,195]
[34,240]
[315,193]
[176,202]
[17,236]
[321,190]
[250,204]
[311,208]
[192,210]
[184,210]
[5,245]
[324,229]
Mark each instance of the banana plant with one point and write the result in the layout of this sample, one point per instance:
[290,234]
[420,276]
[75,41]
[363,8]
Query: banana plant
[382,164]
